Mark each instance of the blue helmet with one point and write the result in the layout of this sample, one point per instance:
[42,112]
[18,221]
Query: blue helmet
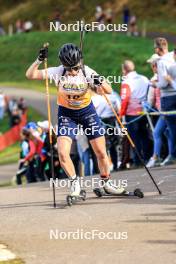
[32,125]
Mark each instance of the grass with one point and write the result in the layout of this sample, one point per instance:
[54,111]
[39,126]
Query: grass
[14,261]
[11,153]
[4,124]
[103,52]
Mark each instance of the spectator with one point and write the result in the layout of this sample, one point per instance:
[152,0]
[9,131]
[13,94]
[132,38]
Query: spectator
[109,16]
[161,126]
[99,16]
[27,153]
[22,105]
[133,91]
[2,32]
[56,17]
[133,28]
[36,137]
[168,93]
[2,105]
[171,77]
[126,14]
[107,116]
[46,154]
[19,26]
[27,26]
[15,117]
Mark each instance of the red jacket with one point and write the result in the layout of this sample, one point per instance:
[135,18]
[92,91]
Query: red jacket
[32,151]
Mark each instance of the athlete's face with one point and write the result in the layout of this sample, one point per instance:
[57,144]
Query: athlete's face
[73,71]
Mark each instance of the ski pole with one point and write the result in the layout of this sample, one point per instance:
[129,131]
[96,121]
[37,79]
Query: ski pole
[50,127]
[132,143]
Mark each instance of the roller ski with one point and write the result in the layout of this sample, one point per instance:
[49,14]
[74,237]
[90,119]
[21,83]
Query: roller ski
[76,193]
[109,189]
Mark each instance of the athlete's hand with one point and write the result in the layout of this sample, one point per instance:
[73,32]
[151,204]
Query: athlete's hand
[97,79]
[43,54]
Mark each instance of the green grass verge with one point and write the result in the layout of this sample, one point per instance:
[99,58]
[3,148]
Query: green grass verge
[104,52]
[4,124]
[14,261]
[11,153]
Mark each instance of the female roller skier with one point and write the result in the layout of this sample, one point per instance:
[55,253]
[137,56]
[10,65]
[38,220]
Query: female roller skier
[75,107]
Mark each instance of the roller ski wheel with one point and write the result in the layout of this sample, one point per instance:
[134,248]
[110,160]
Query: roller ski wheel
[138,193]
[69,200]
[73,199]
[83,195]
[100,193]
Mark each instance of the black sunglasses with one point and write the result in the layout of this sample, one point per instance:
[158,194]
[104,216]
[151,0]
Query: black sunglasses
[75,68]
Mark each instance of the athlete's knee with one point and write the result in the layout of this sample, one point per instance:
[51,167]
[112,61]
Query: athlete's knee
[101,154]
[63,157]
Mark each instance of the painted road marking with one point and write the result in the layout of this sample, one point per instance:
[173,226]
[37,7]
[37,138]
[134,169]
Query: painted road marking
[6,254]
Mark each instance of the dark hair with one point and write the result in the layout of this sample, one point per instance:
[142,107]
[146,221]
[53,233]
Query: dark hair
[26,132]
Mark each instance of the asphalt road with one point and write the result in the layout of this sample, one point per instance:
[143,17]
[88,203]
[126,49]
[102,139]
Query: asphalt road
[35,99]
[27,216]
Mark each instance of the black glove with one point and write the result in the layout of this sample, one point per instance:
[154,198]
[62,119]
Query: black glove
[97,79]
[43,54]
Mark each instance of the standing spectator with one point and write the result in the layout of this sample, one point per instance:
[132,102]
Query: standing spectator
[15,117]
[168,93]
[109,16]
[171,77]
[22,105]
[133,28]
[28,25]
[161,126]
[133,92]
[56,16]
[19,26]
[2,32]
[2,105]
[99,16]
[107,116]
[126,14]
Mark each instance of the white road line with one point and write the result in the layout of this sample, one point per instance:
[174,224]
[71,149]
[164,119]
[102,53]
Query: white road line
[6,254]
[160,182]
